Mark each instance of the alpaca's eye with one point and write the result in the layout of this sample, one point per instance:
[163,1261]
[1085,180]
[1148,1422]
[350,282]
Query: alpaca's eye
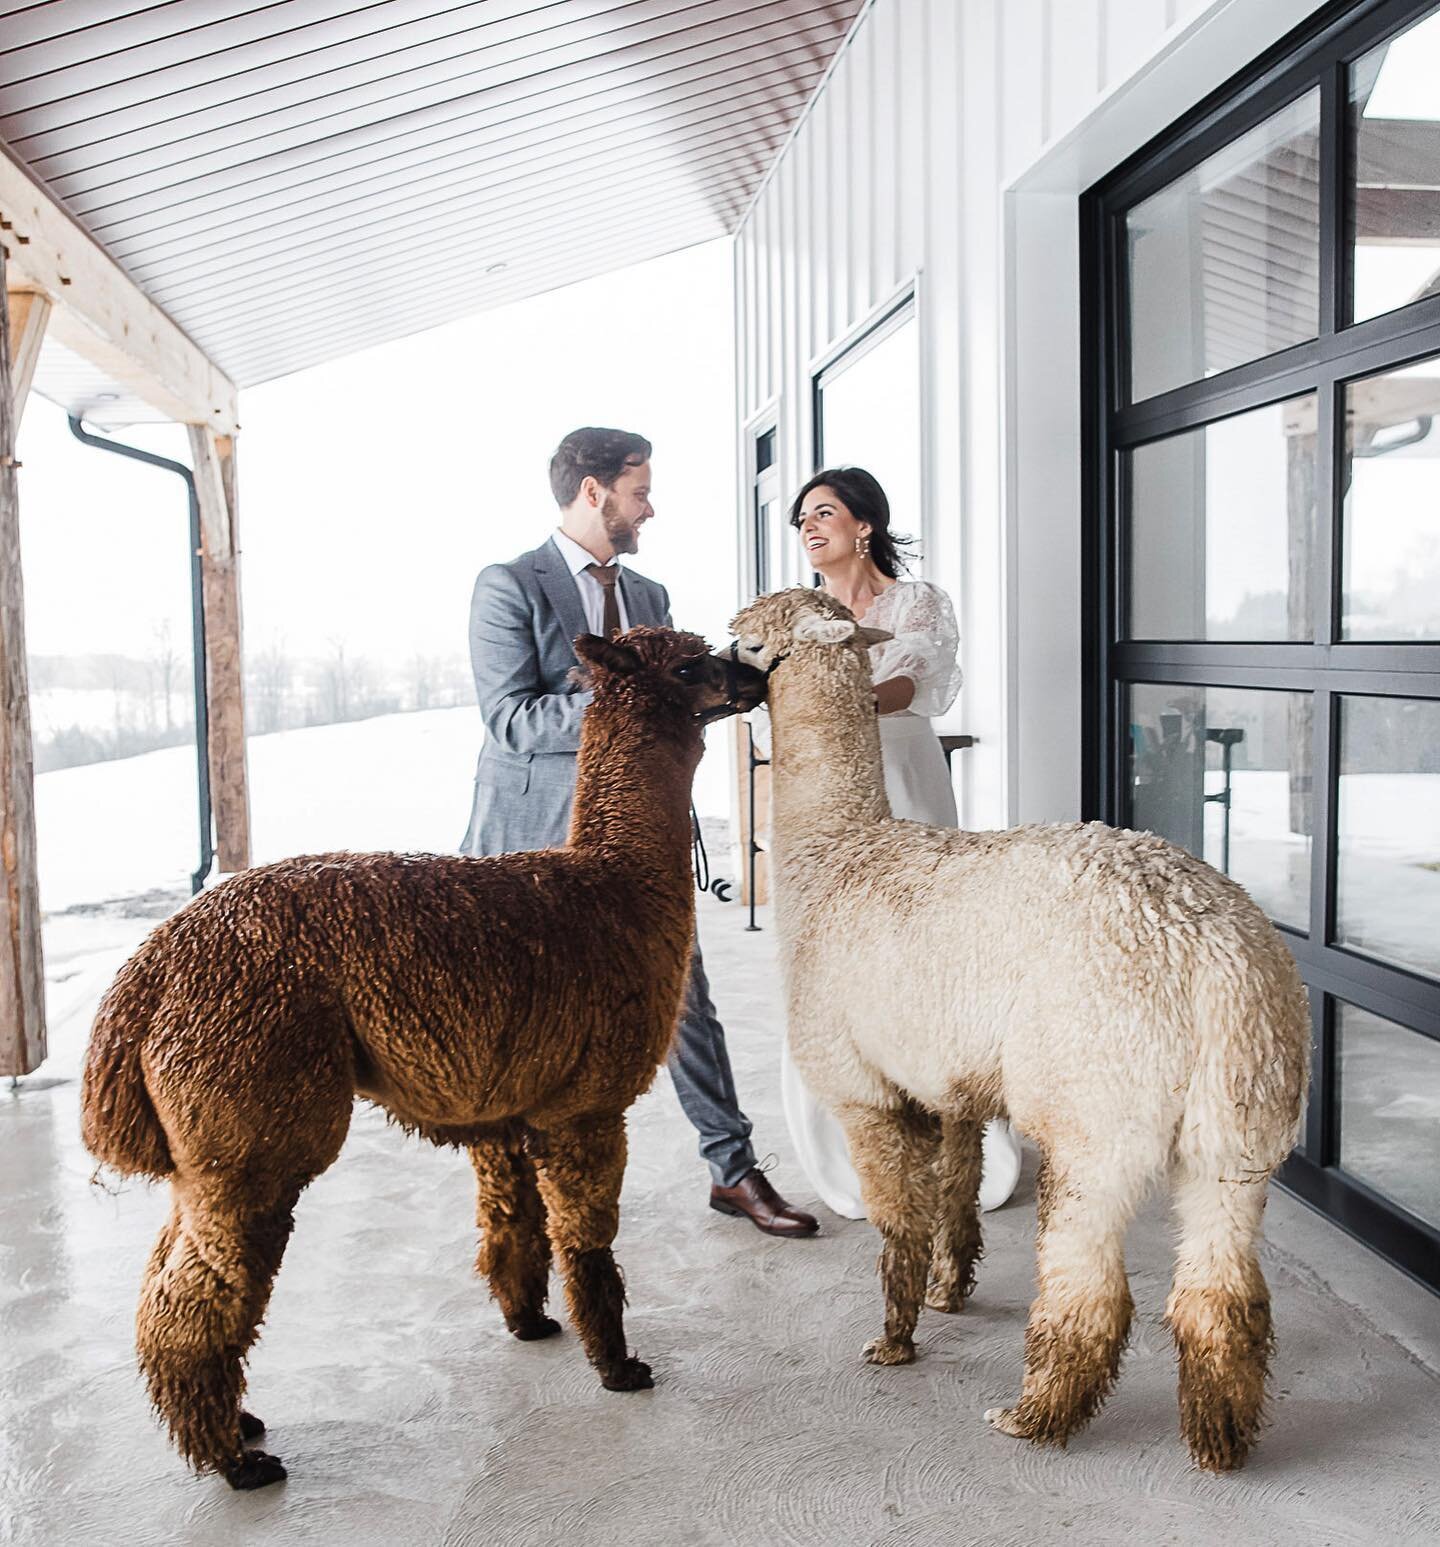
[690,672]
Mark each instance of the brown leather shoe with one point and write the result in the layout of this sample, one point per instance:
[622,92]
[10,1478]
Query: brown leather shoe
[757,1200]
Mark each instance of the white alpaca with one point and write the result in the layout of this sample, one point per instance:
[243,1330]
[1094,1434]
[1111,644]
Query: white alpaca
[1127,1006]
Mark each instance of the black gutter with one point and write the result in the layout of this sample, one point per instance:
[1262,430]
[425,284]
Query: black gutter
[197,634]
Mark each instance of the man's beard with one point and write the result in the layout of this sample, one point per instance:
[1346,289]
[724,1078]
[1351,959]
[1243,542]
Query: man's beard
[623,537]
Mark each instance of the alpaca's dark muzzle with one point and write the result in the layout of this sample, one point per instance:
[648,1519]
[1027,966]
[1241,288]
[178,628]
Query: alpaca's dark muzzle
[744,687]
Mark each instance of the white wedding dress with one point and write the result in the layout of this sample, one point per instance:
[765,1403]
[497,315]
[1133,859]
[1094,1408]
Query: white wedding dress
[917,781]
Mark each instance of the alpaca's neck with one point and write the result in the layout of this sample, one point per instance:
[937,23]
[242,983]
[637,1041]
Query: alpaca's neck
[826,775]
[632,789]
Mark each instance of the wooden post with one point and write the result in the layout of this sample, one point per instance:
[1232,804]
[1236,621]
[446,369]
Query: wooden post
[29,312]
[22,976]
[214,461]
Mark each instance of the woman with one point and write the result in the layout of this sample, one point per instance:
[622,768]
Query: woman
[843,519]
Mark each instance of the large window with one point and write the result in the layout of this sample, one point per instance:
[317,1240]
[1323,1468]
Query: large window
[1263,489]
[867,412]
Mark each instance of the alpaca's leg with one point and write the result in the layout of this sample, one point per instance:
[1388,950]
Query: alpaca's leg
[204,1294]
[514,1249]
[957,1247]
[894,1151]
[1080,1319]
[581,1168]
[1219,1312]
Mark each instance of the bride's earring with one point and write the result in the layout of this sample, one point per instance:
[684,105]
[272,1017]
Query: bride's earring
[862,547]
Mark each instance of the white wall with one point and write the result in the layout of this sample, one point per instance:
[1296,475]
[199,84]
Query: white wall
[948,147]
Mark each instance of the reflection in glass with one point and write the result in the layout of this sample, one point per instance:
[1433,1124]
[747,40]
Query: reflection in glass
[1390,1108]
[1395,144]
[1225,773]
[1221,524]
[1388,875]
[1224,262]
[870,418]
[1392,506]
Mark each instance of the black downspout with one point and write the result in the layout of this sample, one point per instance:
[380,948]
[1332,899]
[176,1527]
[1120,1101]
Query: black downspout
[197,634]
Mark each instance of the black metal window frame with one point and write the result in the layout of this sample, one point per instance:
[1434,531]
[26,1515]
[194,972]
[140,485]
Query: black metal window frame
[1315,57]
[898,311]
[764,485]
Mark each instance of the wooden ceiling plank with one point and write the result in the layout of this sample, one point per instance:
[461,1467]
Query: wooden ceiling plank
[271,123]
[312,54]
[320,300]
[304,166]
[768,96]
[317,233]
[101,313]
[449,305]
[125,49]
[478,246]
[302,317]
[350,225]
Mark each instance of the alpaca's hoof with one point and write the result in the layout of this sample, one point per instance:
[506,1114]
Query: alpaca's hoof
[939,1298]
[251,1427]
[888,1350]
[530,1329]
[628,1375]
[1007,1420]
[257,1470]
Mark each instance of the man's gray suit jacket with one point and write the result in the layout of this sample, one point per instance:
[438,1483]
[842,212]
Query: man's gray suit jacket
[524,617]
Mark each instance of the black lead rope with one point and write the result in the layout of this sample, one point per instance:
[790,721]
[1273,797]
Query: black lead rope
[699,857]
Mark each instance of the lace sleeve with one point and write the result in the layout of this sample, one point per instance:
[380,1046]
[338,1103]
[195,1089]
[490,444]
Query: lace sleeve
[926,639]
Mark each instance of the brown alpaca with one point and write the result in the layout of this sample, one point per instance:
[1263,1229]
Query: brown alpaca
[515,1005]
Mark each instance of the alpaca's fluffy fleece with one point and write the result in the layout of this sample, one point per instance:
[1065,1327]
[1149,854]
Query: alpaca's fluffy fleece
[515,1004]
[1127,1006]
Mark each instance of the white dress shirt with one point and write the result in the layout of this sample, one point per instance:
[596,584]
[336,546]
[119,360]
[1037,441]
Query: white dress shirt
[592,593]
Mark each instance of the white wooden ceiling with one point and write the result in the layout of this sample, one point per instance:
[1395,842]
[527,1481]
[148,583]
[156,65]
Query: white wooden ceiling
[296,180]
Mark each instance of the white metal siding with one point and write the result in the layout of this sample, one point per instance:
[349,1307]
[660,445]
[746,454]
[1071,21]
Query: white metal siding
[897,172]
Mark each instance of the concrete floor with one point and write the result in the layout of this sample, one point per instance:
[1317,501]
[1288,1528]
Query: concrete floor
[408,1416]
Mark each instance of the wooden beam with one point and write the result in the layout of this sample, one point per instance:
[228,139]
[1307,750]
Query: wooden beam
[29,312]
[213,457]
[101,313]
[22,976]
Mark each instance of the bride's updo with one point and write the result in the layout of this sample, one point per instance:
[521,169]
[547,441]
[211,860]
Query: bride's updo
[862,496]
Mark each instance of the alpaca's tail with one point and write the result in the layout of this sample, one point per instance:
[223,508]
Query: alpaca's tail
[118,1121]
[1242,1111]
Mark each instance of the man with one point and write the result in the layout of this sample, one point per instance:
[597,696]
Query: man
[524,618]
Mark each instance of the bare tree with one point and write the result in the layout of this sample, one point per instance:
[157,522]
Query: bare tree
[166,662]
[269,679]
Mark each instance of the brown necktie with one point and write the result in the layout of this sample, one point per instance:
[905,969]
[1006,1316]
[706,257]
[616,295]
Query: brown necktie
[607,575]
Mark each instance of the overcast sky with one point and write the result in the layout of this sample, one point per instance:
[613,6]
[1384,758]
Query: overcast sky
[373,489]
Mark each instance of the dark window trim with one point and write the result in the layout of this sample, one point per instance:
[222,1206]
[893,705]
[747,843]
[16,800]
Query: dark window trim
[850,351]
[1315,55]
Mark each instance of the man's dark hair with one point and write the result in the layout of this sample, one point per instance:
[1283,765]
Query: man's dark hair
[593,453]
[862,496]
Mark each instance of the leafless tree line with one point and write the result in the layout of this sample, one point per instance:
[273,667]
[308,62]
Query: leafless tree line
[90,708]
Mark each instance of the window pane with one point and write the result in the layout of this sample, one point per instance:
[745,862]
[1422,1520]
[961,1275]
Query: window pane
[1388,875]
[1395,140]
[1225,773]
[1221,524]
[1392,506]
[870,418]
[1224,262]
[1390,1109]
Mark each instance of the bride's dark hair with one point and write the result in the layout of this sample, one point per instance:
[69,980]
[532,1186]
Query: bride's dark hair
[862,496]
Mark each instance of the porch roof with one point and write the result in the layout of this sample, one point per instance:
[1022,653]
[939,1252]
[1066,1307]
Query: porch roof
[291,182]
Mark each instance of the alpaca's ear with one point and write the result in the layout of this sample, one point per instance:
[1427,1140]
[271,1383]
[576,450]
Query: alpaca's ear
[817,630]
[871,636]
[609,654]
